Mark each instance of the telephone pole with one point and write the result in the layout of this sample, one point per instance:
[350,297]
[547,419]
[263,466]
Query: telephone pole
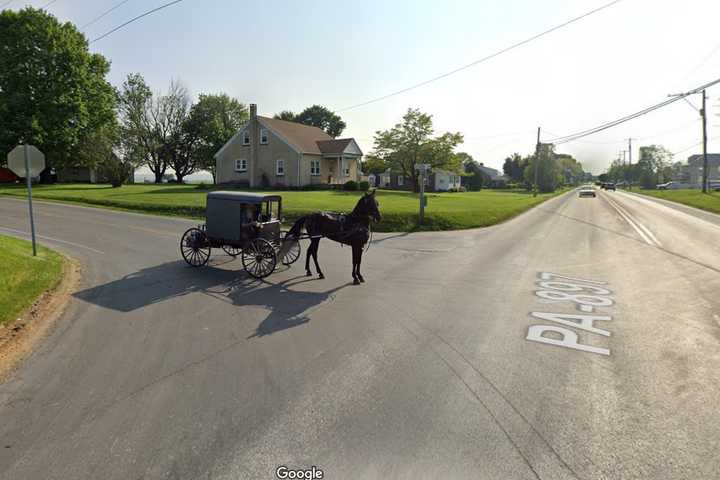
[629,173]
[537,161]
[703,112]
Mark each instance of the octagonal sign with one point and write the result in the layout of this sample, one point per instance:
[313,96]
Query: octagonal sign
[16,161]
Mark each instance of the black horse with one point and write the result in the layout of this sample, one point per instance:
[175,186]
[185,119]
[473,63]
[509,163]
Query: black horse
[351,229]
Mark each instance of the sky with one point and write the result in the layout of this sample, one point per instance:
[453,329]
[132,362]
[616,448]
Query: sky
[288,54]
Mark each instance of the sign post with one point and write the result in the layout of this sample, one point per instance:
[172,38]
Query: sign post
[423,168]
[27,161]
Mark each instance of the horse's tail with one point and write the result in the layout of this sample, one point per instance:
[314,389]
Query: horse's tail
[296,228]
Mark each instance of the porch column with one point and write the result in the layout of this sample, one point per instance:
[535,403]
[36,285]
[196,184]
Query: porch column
[339,174]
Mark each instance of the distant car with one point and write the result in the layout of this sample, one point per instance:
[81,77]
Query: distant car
[586,192]
[609,186]
[663,186]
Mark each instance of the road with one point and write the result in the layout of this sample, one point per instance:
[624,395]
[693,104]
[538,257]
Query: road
[437,367]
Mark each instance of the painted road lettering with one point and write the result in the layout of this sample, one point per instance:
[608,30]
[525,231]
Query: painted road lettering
[584,295]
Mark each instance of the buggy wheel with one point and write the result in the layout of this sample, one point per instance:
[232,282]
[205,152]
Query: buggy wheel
[259,258]
[195,248]
[289,251]
[232,251]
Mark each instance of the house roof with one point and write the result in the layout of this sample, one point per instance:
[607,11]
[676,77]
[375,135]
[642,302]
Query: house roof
[304,137]
[243,197]
[491,172]
[334,146]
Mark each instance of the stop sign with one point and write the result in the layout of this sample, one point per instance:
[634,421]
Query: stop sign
[16,161]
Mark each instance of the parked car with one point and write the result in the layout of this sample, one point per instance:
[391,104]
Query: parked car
[609,186]
[587,191]
[663,186]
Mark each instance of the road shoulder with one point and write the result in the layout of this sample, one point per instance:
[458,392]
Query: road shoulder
[20,337]
[680,207]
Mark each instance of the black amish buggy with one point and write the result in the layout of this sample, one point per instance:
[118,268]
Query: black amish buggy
[242,224]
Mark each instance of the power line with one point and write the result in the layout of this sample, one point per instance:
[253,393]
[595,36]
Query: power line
[692,146]
[135,19]
[119,4]
[627,118]
[484,59]
[47,4]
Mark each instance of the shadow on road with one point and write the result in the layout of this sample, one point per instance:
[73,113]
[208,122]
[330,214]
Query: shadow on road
[287,303]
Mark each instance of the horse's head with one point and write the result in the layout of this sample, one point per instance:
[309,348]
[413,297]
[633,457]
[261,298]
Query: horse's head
[368,206]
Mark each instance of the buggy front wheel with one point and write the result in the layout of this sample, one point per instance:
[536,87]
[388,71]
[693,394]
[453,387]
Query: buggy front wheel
[259,258]
[195,247]
[289,251]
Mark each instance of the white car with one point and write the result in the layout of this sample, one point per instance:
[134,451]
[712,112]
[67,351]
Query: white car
[587,192]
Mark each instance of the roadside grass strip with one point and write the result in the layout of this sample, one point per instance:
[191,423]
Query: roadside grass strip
[23,278]
[445,211]
[709,202]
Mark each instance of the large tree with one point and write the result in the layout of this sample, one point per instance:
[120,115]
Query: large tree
[53,91]
[214,119]
[316,116]
[411,143]
[514,167]
[549,173]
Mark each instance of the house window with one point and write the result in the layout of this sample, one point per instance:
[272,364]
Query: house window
[401,180]
[263,136]
[280,167]
[346,170]
[241,165]
[314,167]
[246,137]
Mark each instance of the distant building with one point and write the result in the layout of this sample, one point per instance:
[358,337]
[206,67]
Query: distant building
[693,171]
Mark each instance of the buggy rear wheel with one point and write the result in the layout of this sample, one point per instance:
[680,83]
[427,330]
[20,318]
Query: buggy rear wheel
[195,248]
[259,258]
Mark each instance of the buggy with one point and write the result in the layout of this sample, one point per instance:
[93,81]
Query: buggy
[242,224]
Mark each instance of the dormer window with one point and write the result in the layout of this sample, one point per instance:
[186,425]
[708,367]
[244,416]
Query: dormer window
[246,137]
[263,136]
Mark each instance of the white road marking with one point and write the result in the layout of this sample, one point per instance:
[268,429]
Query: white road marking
[586,308]
[641,229]
[27,234]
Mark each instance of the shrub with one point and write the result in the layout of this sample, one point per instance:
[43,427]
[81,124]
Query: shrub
[350,185]
[462,189]
[203,186]
[364,186]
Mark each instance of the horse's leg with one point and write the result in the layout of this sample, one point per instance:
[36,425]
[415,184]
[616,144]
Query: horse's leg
[308,272]
[359,261]
[316,245]
[356,281]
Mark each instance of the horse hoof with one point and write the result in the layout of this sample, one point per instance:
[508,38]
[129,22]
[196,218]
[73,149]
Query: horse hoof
[362,280]
[356,281]
[308,274]
[321,276]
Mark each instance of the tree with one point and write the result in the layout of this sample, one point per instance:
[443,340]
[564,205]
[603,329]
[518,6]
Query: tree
[215,118]
[140,135]
[374,165]
[177,135]
[514,167]
[653,159]
[410,143]
[549,174]
[475,177]
[286,115]
[53,91]
[321,117]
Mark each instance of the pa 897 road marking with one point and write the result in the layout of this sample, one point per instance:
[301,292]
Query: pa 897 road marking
[585,296]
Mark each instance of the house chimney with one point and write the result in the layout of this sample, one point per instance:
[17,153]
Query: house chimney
[254,143]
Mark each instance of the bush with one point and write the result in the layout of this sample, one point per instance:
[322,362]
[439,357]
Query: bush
[364,186]
[350,185]
[203,186]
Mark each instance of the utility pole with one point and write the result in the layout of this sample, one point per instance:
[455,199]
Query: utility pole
[537,161]
[703,112]
[629,172]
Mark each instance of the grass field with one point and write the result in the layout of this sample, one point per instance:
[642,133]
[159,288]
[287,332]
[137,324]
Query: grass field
[24,277]
[694,198]
[445,211]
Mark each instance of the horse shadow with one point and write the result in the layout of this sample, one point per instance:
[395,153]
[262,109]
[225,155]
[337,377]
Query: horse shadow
[288,304]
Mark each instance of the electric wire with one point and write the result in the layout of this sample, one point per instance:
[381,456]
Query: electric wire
[484,59]
[135,19]
[102,15]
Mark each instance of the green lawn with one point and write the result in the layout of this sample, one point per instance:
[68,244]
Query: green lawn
[694,198]
[445,211]
[24,277]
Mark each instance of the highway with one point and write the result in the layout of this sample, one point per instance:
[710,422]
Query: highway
[576,341]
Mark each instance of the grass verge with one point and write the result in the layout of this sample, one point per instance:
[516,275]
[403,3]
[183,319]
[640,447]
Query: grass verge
[694,198]
[445,211]
[24,277]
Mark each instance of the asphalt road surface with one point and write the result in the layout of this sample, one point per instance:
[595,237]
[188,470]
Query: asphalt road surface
[465,355]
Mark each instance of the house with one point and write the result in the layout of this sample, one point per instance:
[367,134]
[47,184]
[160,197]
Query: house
[270,152]
[492,178]
[7,176]
[437,181]
[694,169]
[79,175]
